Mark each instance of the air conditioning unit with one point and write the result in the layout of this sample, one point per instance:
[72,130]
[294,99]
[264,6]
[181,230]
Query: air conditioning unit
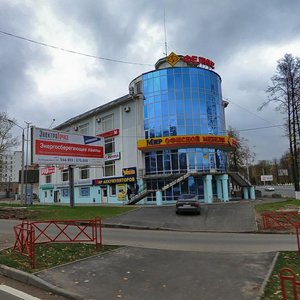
[127,109]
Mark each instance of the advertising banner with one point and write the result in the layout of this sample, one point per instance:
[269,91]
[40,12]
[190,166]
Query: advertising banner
[62,148]
[121,190]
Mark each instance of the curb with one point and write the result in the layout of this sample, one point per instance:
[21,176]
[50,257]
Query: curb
[263,286]
[33,280]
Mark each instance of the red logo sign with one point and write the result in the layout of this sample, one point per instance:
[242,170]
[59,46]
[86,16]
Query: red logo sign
[48,170]
[198,60]
[110,133]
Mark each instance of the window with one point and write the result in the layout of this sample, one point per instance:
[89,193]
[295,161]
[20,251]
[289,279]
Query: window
[48,179]
[109,145]
[65,175]
[84,129]
[109,168]
[107,123]
[84,173]
[65,192]
[113,190]
[138,87]
[84,192]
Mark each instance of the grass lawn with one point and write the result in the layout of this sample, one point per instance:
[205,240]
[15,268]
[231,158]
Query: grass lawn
[287,259]
[51,255]
[62,212]
[285,204]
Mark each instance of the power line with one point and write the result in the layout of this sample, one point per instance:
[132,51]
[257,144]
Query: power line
[250,112]
[258,128]
[72,51]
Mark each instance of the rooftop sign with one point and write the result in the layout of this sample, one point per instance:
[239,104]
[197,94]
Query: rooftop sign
[173,59]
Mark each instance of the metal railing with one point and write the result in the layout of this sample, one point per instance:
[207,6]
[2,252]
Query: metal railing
[28,234]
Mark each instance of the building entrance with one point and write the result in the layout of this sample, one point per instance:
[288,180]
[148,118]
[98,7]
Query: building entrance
[104,194]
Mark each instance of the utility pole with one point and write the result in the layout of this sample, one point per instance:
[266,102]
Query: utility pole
[27,199]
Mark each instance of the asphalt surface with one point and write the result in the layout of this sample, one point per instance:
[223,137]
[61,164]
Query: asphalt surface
[222,217]
[141,273]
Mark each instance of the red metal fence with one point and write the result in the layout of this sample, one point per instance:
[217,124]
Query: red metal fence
[28,234]
[280,220]
[288,276]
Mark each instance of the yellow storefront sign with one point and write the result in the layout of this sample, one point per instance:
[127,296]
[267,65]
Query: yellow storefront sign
[201,141]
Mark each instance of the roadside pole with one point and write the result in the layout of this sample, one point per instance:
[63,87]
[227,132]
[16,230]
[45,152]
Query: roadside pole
[71,185]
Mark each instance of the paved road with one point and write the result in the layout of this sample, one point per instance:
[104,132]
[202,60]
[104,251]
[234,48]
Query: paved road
[283,190]
[200,241]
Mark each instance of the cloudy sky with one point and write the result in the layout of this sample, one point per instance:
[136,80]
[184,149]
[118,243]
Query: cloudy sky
[244,38]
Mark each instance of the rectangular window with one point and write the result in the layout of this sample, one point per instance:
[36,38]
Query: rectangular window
[65,192]
[109,145]
[84,173]
[109,168]
[107,123]
[84,192]
[65,175]
[48,179]
[83,129]
[138,87]
[113,190]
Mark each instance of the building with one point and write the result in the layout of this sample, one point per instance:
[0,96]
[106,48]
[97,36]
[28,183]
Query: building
[10,164]
[167,137]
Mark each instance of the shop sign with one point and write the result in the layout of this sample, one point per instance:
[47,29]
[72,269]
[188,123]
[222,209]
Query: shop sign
[129,171]
[203,141]
[112,156]
[110,133]
[48,171]
[114,180]
[173,59]
[198,60]
[47,186]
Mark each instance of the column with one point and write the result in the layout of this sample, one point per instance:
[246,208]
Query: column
[245,193]
[159,197]
[225,187]
[219,188]
[252,192]
[207,182]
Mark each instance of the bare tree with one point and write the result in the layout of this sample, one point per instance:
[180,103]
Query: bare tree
[242,156]
[285,93]
[7,141]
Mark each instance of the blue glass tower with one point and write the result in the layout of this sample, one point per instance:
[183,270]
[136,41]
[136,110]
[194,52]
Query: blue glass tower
[183,104]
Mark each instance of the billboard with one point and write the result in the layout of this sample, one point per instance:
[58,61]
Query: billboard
[62,148]
[266,177]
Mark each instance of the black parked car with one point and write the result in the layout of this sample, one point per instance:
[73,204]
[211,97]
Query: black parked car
[188,204]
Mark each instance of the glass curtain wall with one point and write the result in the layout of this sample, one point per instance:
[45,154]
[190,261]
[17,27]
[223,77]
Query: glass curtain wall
[183,101]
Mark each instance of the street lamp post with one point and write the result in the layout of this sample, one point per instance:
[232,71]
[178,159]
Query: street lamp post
[22,163]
